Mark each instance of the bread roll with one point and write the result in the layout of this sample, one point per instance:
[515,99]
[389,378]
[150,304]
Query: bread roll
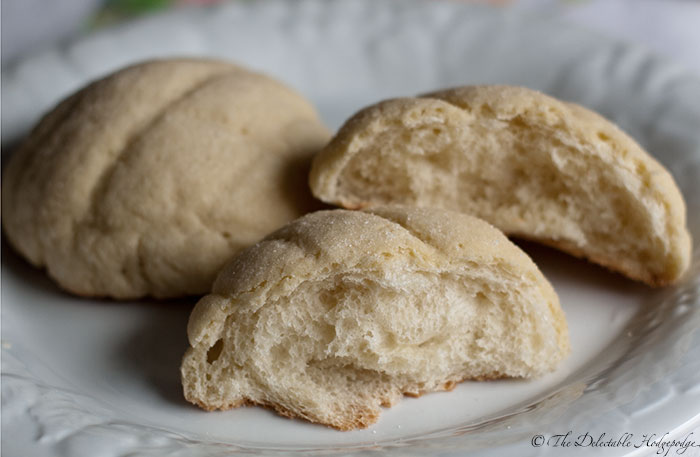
[146,182]
[341,312]
[533,166]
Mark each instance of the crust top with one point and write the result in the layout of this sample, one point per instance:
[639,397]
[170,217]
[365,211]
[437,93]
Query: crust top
[141,183]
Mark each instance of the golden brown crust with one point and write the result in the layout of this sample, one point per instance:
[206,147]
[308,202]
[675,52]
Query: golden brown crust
[366,417]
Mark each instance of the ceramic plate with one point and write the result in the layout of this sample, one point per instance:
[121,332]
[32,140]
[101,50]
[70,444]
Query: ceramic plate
[85,378]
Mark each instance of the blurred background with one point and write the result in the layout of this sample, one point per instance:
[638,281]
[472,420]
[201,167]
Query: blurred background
[669,27]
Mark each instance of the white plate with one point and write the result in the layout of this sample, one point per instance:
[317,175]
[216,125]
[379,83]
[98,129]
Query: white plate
[83,377]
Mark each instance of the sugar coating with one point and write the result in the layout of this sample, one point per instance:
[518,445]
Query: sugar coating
[147,181]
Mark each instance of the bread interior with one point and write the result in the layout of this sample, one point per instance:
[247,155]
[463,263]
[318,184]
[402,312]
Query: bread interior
[336,349]
[528,179]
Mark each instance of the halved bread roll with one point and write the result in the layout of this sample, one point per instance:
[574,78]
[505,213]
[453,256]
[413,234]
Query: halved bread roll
[341,312]
[533,166]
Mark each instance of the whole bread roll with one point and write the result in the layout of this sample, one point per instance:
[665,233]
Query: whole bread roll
[341,312]
[531,165]
[146,182]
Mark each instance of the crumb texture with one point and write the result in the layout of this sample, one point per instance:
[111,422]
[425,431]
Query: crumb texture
[531,165]
[142,183]
[342,312]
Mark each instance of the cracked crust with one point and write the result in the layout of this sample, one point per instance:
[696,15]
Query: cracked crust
[140,184]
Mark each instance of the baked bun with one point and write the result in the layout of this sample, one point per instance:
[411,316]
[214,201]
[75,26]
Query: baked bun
[147,181]
[533,166]
[341,312]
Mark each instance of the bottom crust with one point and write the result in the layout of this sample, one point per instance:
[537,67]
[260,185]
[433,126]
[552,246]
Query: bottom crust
[363,419]
[609,263]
